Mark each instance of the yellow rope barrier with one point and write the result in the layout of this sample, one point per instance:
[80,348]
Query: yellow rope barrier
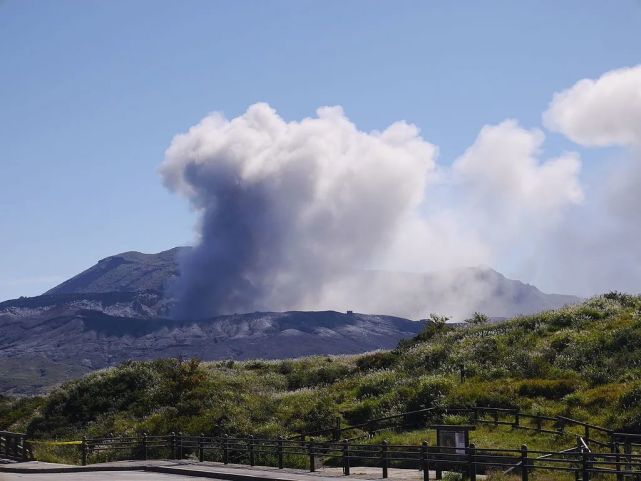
[55,443]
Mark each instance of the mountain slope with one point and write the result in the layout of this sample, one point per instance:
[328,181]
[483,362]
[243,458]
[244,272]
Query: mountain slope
[92,339]
[125,272]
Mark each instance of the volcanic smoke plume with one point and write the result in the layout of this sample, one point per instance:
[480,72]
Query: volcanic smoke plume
[287,207]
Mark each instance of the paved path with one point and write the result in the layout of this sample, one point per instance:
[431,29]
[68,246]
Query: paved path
[190,470]
[99,476]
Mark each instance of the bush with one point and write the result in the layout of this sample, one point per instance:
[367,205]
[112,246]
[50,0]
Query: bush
[376,361]
[376,384]
[427,391]
[547,388]
[315,371]
[498,394]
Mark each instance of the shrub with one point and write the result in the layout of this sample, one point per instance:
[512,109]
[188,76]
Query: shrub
[376,384]
[427,391]
[499,394]
[376,360]
[547,388]
[361,412]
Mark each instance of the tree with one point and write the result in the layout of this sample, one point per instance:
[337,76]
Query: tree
[439,321]
[477,319]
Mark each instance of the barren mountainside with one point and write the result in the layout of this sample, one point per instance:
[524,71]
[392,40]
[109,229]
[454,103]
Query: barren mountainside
[118,310]
[84,340]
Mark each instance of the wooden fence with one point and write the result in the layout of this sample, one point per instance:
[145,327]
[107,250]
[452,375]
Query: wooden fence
[599,452]
[580,462]
[555,425]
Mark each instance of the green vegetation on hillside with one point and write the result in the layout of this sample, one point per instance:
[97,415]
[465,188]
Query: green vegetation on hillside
[582,362]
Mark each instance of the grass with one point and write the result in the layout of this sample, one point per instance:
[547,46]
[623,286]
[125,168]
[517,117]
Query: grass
[484,436]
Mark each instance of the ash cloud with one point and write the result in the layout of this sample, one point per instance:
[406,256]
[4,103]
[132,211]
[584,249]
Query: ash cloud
[288,207]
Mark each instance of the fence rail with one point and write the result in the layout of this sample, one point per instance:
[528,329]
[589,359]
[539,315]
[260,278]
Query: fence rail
[554,425]
[580,461]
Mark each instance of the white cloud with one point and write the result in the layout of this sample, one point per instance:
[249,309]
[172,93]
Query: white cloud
[600,249]
[605,111]
[507,190]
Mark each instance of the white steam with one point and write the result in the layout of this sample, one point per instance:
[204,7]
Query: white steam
[287,207]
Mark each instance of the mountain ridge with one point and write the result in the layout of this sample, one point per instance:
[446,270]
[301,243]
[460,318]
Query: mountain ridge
[129,271]
[404,294]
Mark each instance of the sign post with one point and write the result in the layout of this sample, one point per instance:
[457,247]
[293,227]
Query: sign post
[452,444]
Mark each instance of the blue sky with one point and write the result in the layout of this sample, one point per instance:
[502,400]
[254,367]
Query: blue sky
[92,92]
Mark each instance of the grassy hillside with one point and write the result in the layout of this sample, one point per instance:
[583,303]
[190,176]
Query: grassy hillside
[582,361]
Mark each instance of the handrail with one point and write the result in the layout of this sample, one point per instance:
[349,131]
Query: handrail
[581,423]
[472,461]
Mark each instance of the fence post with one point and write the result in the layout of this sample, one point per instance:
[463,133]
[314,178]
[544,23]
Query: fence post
[172,440]
[627,449]
[425,465]
[201,448]
[584,465]
[560,424]
[251,450]
[437,464]
[539,423]
[83,451]
[524,463]
[472,462]
[517,419]
[280,452]
[384,458]
[496,417]
[144,445]
[617,460]
[579,450]
[312,460]
[345,457]
[226,449]
[23,449]
[476,415]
